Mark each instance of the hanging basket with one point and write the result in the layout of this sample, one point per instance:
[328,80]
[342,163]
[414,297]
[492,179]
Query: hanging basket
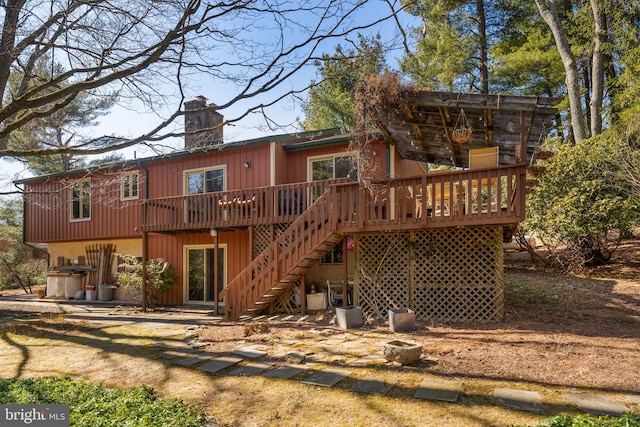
[545,154]
[461,135]
[462,131]
[537,170]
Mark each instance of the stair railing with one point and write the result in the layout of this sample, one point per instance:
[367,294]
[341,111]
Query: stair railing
[271,267]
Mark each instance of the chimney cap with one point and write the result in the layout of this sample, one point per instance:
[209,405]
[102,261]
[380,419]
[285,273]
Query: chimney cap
[202,99]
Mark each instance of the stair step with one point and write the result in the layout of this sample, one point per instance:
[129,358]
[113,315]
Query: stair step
[312,242]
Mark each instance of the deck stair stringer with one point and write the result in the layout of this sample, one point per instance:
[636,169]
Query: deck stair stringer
[285,261]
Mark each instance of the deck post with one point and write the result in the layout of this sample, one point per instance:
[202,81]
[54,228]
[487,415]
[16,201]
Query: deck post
[216,296]
[303,295]
[521,154]
[145,257]
[345,271]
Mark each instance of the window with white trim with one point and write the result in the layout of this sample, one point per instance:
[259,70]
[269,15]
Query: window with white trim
[129,185]
[205,181]
[81,200]
[333,167]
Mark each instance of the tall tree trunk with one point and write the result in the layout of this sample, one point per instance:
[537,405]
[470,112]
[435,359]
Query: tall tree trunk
[484,59]
[7,41]
[549,13]
[586,82]
[597,68]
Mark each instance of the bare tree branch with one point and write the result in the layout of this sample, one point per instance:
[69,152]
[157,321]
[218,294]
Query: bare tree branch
[149,50]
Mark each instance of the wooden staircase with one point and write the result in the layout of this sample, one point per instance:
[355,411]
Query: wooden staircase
[285,261]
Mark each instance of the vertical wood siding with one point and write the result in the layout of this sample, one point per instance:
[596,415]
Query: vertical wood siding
[48,216]
[171,248]
[167,177]
[296,162]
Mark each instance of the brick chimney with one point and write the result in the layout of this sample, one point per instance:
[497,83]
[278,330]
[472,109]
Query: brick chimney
[195,120]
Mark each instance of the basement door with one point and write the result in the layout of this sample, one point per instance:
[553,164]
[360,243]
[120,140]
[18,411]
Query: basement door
[200,274]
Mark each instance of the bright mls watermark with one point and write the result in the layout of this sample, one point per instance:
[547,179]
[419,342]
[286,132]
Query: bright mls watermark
[34,415]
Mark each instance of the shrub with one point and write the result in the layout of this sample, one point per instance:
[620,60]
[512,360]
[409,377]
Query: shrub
[626,420]
[160,277]
[581,201]
[96,406]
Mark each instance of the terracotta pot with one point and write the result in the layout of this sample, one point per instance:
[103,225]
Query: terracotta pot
[40,294]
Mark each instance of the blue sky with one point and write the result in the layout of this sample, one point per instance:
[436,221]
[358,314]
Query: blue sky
[133,122]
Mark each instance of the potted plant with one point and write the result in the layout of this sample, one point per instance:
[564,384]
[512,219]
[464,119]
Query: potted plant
[160,277]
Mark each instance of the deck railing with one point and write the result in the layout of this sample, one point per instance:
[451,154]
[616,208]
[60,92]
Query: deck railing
[449,199]
[273,270]
[234,208]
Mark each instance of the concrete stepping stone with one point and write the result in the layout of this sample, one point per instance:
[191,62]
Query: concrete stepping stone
[296,356]
[177,352]
[633,399]
[327,378]
[169,344]
[250,352]
[333,341]
[522,400]
[371,360]
[372,385]
[170,333]
[156,325]
[195,359]
[250,369]
[433,389]
[285,372]
[597,404]
[220,363]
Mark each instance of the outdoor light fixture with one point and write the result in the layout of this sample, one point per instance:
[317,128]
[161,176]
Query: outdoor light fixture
[374,152]
[213,232]
[246,164]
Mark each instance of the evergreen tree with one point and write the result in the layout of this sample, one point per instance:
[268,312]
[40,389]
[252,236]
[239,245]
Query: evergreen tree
[18,268]
[330,103]
[452,46]
[60,131]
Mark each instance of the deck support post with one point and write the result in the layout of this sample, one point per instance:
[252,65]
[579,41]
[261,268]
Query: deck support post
[303,295]
[345,271]
[145,257]
[216,291]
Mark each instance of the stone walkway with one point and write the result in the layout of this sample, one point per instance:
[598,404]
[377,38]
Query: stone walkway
[323,361]
[308,363]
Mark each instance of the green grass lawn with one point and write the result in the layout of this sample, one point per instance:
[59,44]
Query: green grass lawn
[93,405]
[626,420]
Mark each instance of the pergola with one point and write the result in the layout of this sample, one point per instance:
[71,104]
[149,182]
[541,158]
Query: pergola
[422,129]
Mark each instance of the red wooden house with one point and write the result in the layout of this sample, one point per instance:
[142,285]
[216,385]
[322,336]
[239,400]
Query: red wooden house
[252,224]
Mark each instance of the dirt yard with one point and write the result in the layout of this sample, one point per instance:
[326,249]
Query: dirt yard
[560,330]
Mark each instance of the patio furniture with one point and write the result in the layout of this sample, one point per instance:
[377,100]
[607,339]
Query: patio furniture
[334,291]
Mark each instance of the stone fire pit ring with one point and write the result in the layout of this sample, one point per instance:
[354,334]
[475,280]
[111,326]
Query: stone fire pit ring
[405,352]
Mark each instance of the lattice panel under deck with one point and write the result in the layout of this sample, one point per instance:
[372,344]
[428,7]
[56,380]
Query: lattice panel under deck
[382,284]
[262,236]
[444,274]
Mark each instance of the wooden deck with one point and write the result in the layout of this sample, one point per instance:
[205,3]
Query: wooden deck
[494,196]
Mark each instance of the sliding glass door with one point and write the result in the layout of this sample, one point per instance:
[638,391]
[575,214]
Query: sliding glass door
[200,267]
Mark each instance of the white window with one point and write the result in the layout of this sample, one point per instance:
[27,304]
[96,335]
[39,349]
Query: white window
[333,167]
[205,181]
[129,186]
[81,200]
